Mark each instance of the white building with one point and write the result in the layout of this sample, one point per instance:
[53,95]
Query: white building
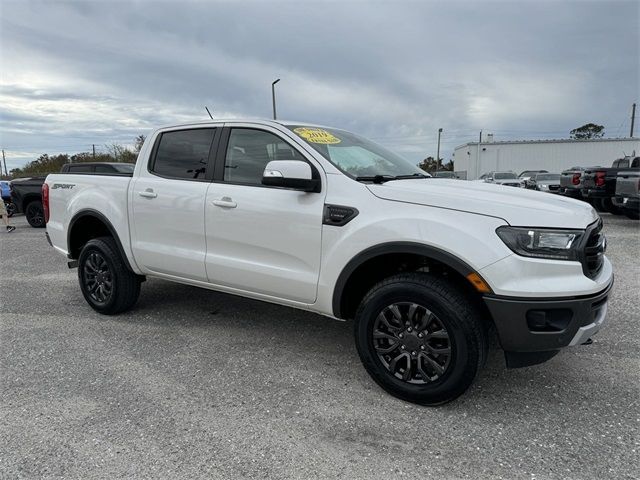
[551,155]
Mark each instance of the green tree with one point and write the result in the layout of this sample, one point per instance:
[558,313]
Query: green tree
[429,165]
[587,131]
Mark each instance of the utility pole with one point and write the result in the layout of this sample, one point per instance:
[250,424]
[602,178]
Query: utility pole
[633,119]
[94,151]
[438,153]
[4,161]
[273,96]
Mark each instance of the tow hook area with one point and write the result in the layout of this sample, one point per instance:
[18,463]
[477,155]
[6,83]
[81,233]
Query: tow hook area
[588,342]
[73,264]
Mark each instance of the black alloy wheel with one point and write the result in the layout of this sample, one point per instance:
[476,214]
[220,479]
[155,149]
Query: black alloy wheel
[97,278]
[107,283]
[35,215]
[421,337]
[412,342]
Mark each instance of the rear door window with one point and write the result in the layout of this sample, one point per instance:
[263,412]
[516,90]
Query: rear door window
[183,154]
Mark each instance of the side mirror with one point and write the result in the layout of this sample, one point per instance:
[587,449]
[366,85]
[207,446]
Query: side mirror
[290,174]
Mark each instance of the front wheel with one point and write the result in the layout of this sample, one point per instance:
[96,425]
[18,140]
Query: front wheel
[419,338]
[108,286]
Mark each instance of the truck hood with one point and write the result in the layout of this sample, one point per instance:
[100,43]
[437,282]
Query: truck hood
[516,206]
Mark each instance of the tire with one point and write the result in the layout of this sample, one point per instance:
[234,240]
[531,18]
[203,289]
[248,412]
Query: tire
[610,207]
[441,309]
[35,214]
[107,285]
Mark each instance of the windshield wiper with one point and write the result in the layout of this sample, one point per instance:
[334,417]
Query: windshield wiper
[387,178]
[376,178]
[410,176]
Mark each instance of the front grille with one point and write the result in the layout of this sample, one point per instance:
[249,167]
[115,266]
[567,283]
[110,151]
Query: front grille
[554,187]
[593,251]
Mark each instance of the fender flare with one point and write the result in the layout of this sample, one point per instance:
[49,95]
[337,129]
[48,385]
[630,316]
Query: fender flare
[428,251]
[90,212]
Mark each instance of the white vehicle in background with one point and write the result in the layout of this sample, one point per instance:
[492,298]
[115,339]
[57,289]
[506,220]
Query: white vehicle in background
[508,179]
[323,220]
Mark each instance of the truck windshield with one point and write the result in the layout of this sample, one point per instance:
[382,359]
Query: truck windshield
[355,156]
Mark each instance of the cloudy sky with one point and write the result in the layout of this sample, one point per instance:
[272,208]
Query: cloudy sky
[81,73]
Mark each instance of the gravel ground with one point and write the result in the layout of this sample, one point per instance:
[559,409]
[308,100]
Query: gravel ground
[196,384]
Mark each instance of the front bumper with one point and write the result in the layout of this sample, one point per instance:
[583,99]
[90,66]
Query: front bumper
[570,192]
[533,330]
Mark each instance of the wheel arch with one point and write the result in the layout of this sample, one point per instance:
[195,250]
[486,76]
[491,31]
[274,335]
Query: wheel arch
[27,199]
[86,225]
[383,256]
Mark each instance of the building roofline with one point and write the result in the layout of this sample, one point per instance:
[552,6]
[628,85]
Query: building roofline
[561,140]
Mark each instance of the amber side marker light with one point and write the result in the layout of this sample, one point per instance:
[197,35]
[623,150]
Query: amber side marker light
[477,281]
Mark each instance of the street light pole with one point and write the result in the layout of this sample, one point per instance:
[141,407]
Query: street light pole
[438,154]
[273,96]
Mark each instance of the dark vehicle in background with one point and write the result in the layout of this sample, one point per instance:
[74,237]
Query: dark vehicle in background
[628,193]
[529,174]
[571,182]
[599,183]
[27,192]
[544,182]
[445,174]
[27,197]
[98,168]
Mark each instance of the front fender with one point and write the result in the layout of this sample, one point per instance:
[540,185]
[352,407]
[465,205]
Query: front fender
[467,242]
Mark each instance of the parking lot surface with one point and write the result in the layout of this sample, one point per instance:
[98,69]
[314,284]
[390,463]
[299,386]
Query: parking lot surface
[198,384]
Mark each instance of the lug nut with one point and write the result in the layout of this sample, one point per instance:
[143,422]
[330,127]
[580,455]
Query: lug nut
[421,347]
[414,353]
[409,329]
[420,335]
[402,347]
[400,335]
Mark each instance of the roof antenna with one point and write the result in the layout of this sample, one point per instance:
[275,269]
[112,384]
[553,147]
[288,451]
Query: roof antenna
[207,109]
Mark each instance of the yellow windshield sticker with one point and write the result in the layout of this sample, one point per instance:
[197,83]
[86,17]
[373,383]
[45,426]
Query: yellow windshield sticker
[316,135]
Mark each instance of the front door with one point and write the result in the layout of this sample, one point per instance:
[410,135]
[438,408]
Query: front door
[168,199]
[260,239]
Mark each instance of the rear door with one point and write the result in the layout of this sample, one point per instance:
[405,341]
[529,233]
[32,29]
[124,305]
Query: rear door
[261,239]
[168,198]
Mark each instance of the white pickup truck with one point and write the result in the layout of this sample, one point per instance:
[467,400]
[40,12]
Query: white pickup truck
[323,220]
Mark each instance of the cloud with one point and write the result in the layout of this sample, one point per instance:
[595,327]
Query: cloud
[75,74]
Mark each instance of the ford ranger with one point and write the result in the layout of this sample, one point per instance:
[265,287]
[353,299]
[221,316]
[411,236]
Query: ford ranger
[320,219]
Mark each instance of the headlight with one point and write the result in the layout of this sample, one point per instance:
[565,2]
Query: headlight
[542,243]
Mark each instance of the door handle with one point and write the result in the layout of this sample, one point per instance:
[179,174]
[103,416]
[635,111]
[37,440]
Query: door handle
[148,193]
[224,202]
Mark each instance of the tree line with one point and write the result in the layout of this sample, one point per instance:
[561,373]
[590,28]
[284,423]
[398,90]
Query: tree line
[46,164]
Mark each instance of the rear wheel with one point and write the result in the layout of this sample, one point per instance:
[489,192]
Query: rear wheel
[419,338]
[108,286]
[35,214]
